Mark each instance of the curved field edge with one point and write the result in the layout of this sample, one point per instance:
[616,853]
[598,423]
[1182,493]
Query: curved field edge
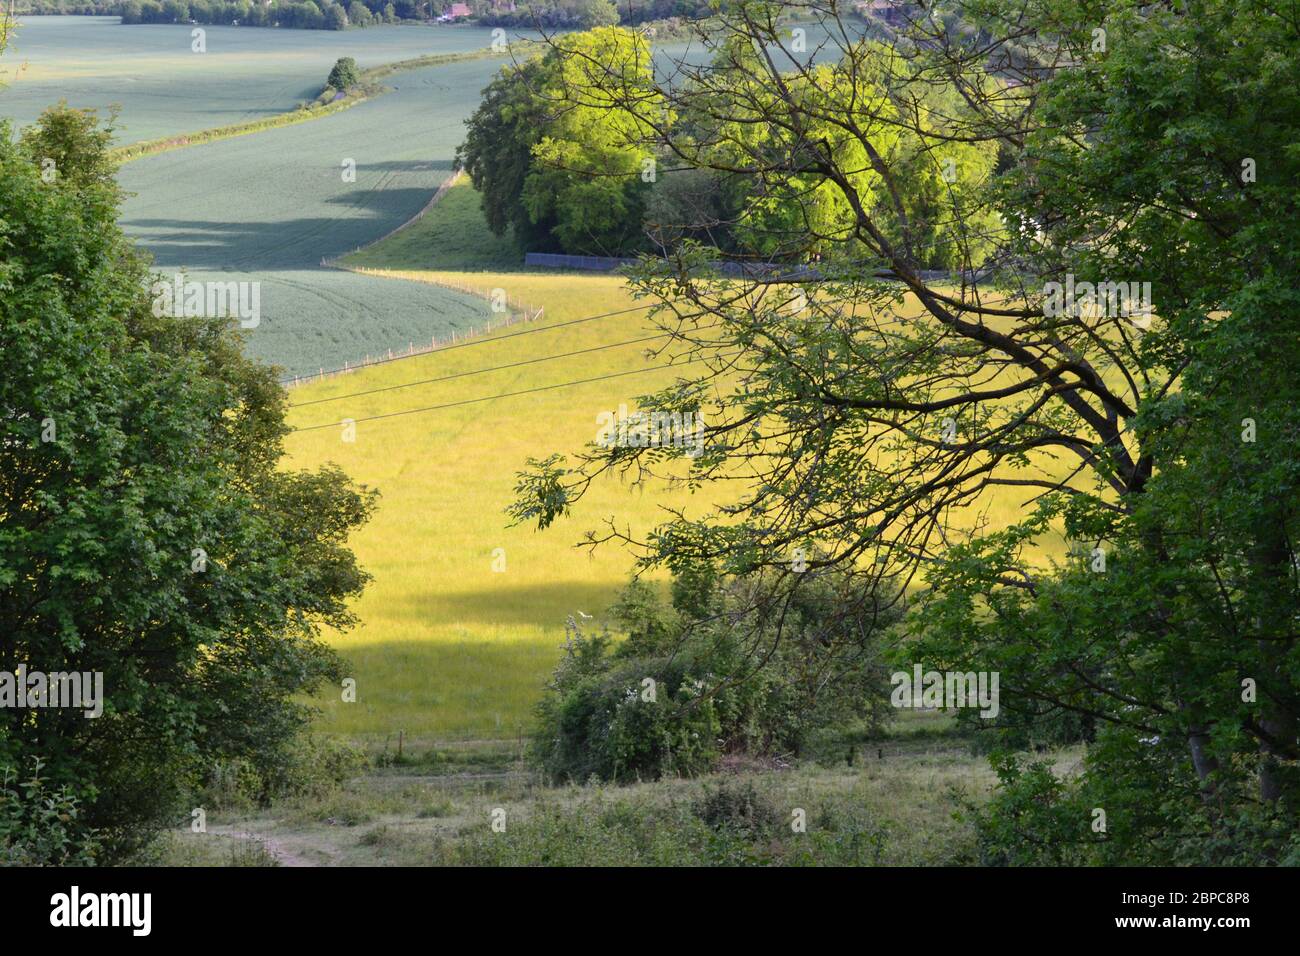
[368,89]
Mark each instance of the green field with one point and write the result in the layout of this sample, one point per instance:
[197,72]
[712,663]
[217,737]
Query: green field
[454,237]
[268,207]
[163,88]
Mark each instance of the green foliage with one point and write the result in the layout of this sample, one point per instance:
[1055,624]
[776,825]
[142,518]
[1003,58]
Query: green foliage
[548,14]
[553,159]
[498,148]
[738,808]
[715,673]
[41,825]
[344,75]
[135,443]
[597,719]
[71,144]
[1032,821]
[307,765]
[952,434]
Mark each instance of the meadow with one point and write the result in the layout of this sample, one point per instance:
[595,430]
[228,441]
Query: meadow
[448,646]
[894,802]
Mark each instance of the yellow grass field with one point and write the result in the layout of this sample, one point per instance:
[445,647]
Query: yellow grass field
[448,646]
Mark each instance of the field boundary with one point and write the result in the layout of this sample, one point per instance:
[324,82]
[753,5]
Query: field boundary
[516,312]
[369,90]
[331,262]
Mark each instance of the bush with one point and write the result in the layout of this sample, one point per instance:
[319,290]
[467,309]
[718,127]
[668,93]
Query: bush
[1035,818]
[41,826]
[1038,818]
[345,74]
[713,673]
[639,719]
[737,808]
[309,766]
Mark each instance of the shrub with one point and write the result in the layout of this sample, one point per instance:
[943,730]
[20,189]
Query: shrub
[344,75]
[712,673]
[737,807]
[636,719]
[309,766]
[42,826]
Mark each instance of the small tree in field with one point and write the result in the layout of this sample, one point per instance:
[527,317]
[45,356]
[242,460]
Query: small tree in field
[344,75]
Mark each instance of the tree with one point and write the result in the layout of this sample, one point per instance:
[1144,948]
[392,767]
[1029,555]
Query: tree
[885,417]
[561,172]
[595,13]
[359,14]
[498,149]
[71,144]
[336,18]
[591,168]
[344,75]
[147,531]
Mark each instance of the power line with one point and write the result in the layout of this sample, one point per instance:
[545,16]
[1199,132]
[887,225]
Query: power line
[525,391]
[465,345]
[482,371]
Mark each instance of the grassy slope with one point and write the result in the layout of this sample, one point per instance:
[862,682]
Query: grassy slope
[451,237]
[448,646]
[893,805]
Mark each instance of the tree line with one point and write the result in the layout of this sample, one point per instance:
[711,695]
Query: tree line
[325,15]
[563,169]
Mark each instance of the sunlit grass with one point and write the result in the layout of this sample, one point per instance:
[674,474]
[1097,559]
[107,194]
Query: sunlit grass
[447,646]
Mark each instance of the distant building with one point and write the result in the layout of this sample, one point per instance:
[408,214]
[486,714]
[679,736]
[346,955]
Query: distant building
[458,10]
[887,11]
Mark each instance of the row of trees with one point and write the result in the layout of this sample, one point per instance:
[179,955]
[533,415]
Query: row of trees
[884,426]
[305,15]
[566,170]
[546,14]
[549,14]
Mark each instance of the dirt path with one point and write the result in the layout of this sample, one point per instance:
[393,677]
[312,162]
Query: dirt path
[279,849]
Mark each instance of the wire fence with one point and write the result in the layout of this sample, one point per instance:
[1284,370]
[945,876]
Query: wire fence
[512,312]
